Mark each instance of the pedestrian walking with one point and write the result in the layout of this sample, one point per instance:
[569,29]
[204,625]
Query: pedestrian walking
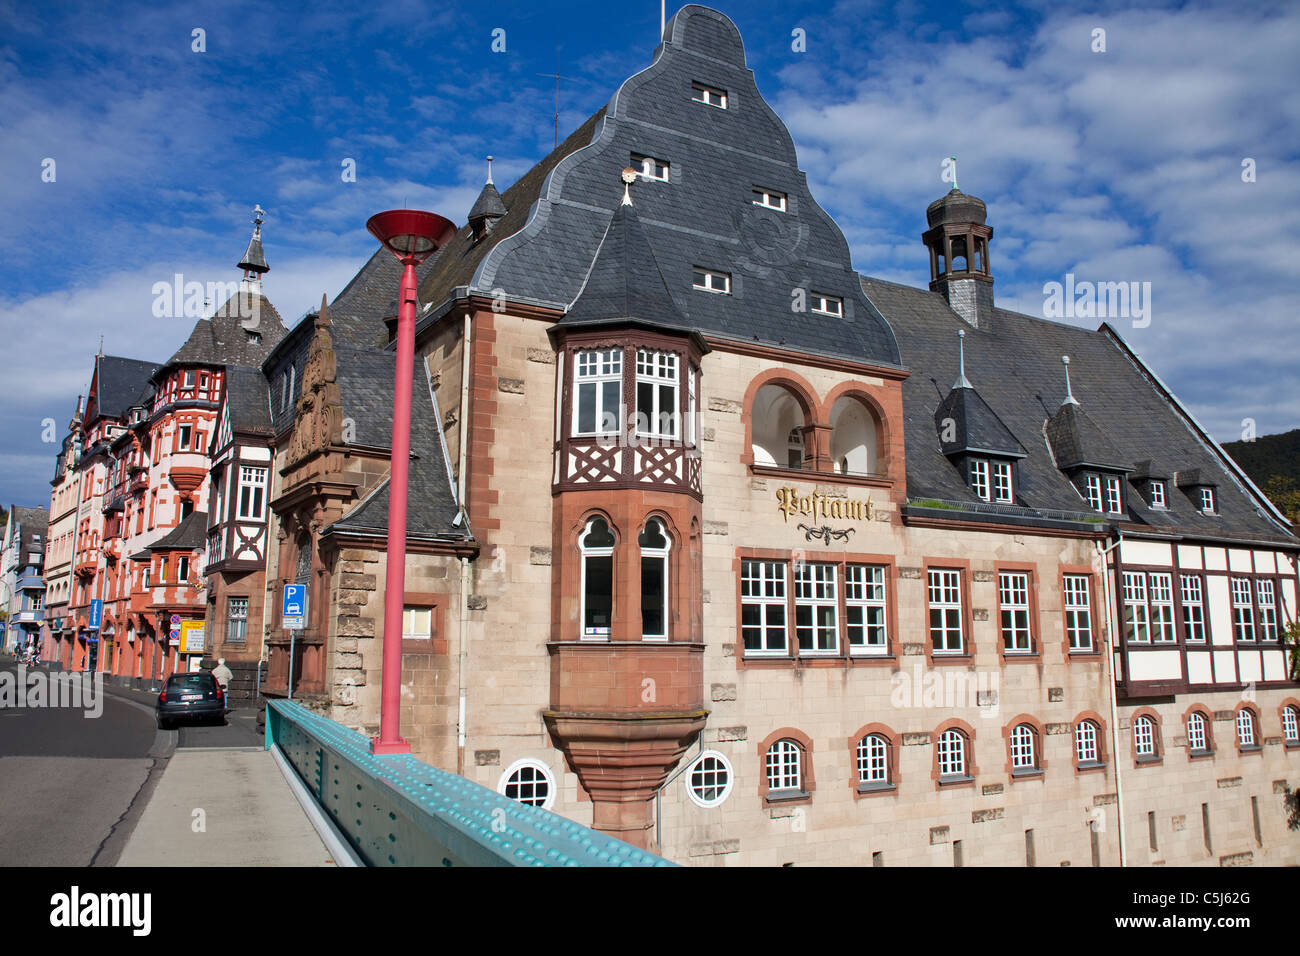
[223,674]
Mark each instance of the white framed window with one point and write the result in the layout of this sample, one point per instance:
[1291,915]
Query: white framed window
[1144,737]
[598,391]
[816,605]
[252,492]
[530,782]
[597,547]
[1137,622]
[945,611]
[711,280]
[708,781]
[656,394]
[873,761]
[1156,489]
[1243,611]
[952,754]
[1245,728]
[1193,595]
[1085,743]
[655,545]
[1024,752]
[827,304]
[1162,608]
[1290,725]
[864,609]
[417,623]
[236,620]
[763,606]
[784,766]
[1198,740]
[691,412]
[979,478]
[1114,495]
[1093,485]
[1207,501]
[650,168]
[1013,596]
[1078,611]
[710,95]
[189,378]
[183,436]
[1002,481]
[1267,610]
[770,199]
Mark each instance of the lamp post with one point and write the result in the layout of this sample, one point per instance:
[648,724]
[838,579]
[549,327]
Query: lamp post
[412,236]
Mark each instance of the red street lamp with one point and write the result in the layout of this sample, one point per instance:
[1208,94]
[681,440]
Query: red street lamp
[412,236]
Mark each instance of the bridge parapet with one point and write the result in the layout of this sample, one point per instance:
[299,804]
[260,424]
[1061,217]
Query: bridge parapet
[399,811]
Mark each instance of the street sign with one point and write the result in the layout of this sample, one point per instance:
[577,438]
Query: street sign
[193,637]
[96,612]
[175,635]
[176,620]
[293,607]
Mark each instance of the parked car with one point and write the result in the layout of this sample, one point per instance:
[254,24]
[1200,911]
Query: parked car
[190,697]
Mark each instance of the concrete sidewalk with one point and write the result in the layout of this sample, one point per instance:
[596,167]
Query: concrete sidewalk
[224,806]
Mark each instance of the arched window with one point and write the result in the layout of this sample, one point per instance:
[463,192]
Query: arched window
[777,428]
[1291,725]
[655,544]
[1145,738]
[952,754]
[853,437]
[1024,749]
[784,767]
[1198,736]
[1086,752]
[597,546]
[873,760]
[1246,736]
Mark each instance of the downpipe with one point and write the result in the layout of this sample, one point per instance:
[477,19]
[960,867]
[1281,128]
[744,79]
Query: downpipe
[1104,554]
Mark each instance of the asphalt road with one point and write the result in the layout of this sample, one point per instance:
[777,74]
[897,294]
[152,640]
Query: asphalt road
[74,780]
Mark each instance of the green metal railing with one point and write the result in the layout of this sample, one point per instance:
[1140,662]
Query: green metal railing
[399,811]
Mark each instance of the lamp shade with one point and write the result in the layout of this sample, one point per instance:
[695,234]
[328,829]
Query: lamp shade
[411,233]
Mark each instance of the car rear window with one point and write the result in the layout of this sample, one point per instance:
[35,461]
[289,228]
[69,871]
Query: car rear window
[190,681]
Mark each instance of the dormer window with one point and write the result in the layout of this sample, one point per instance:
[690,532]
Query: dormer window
[710,280]
[770,199]
[650,168]
[1105,493]
[991,480]
[1156,494]
[710,95]
[827,304]
[1207,501]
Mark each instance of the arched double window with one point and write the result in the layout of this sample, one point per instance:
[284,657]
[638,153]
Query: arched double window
[853,437]
[597,547]
[777,428]
[655,545]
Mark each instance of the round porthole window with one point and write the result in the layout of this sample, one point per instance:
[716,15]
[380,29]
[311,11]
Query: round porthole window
[530,782]
[708,781]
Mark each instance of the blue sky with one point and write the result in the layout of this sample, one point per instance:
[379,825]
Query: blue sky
[1122,165]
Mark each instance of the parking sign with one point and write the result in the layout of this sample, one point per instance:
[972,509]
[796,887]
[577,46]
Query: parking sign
[293,607]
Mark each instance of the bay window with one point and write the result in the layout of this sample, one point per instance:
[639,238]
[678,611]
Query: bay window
[655,544]
[597,547]
[656,394]
[598,394]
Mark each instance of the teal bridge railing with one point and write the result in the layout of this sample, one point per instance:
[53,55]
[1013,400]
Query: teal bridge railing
[398,811]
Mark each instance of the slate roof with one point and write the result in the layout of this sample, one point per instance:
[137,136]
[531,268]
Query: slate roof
[31,522]
[189,535]
[366,388]
[248,400]
[976,427]
[225,338]
[625,281]
[120,381]
[1078,442]
[1016,362]
[488,205]
[705,215]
